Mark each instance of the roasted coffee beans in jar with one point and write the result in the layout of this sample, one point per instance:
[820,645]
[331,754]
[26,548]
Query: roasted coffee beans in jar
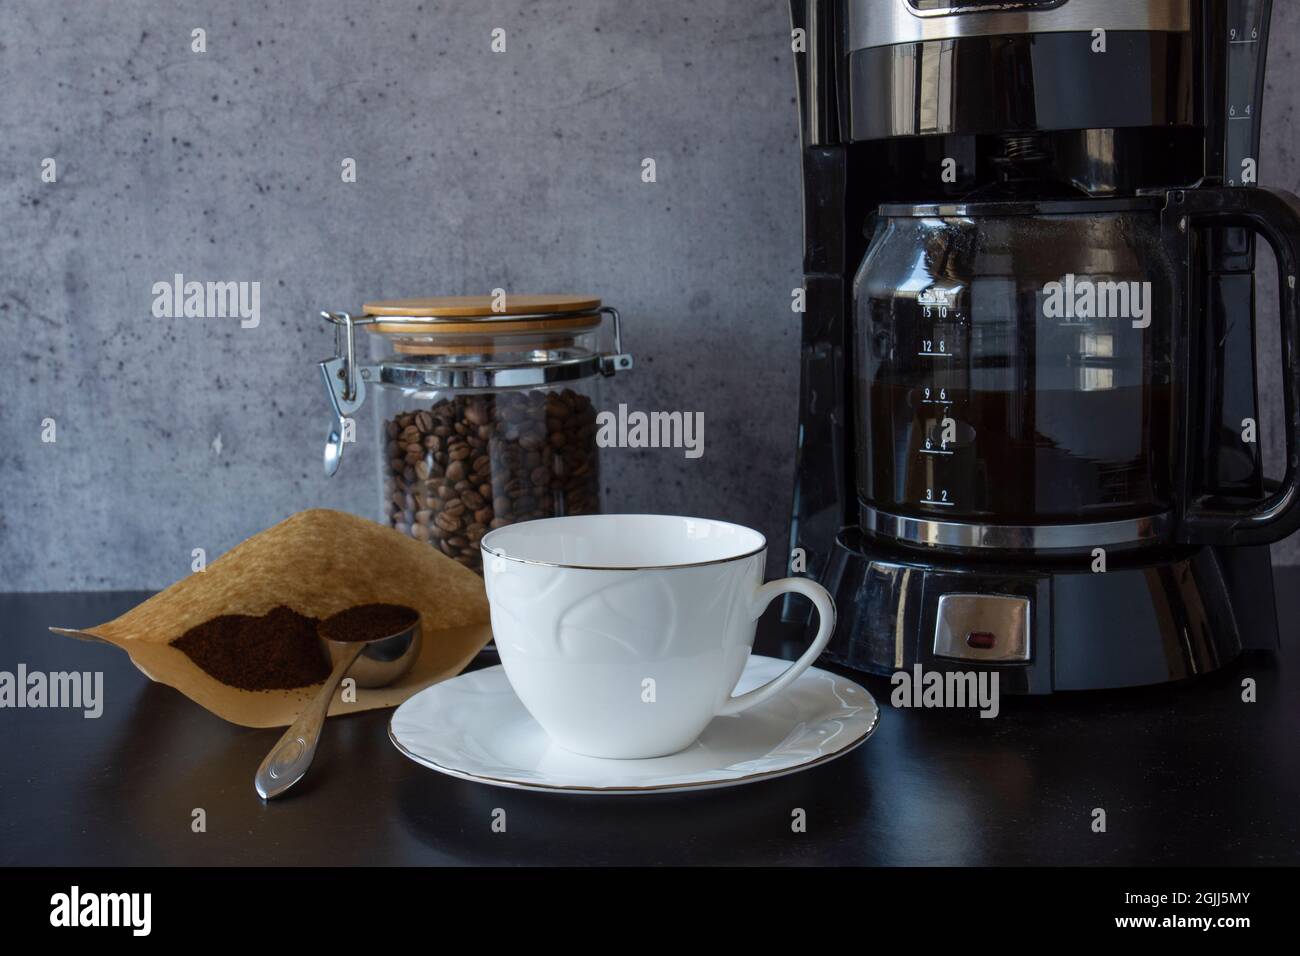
[470,463]
[487,417]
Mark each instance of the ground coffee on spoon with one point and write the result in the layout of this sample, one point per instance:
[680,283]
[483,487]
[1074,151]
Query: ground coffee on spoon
[367,622]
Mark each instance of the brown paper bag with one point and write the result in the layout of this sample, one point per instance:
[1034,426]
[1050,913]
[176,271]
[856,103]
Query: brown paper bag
[317,562]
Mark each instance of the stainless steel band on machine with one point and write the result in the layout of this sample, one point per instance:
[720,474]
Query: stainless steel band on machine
[876,23]
[962,535]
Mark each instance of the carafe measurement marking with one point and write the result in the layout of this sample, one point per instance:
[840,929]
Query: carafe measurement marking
[936,448]
[943,322]
[1245,55]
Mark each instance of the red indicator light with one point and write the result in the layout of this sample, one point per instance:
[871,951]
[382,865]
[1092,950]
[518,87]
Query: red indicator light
[981,640]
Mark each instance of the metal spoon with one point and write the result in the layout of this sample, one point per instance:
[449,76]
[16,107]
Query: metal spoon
[374,663]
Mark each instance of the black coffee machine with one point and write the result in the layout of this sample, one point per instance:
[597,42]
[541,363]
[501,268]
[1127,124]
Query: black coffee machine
[1029,420]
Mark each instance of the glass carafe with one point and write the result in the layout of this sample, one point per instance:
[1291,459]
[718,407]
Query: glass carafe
[1021,368]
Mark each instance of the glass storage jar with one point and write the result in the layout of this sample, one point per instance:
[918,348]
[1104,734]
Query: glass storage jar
[486,408]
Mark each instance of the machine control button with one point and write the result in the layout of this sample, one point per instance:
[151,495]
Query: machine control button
[987,628]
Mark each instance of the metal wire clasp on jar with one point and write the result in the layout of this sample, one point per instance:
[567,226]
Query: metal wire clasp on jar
[486,408]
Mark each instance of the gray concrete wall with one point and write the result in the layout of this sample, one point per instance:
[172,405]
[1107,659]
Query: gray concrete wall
[475,170]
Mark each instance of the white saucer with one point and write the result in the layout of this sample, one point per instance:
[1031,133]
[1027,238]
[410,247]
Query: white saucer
[474,727]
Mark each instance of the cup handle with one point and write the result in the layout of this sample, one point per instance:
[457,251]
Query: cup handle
[825,626]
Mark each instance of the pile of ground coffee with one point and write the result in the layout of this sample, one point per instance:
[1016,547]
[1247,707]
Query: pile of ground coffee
[368,622]
[278,651]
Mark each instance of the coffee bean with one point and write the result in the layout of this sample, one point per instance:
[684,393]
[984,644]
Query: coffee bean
[468,464]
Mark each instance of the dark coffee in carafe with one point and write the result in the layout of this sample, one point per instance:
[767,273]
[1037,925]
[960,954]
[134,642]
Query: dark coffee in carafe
[1020,457]
[1014,366]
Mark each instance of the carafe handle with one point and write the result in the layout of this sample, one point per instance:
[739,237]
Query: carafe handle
[1275,215]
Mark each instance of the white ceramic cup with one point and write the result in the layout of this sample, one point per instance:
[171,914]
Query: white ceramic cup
[624,635]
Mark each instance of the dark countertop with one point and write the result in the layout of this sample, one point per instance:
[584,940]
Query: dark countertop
[1187,774]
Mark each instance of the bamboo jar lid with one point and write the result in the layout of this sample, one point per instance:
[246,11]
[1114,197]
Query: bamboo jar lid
[480,306]
[457,316]
[548,312]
